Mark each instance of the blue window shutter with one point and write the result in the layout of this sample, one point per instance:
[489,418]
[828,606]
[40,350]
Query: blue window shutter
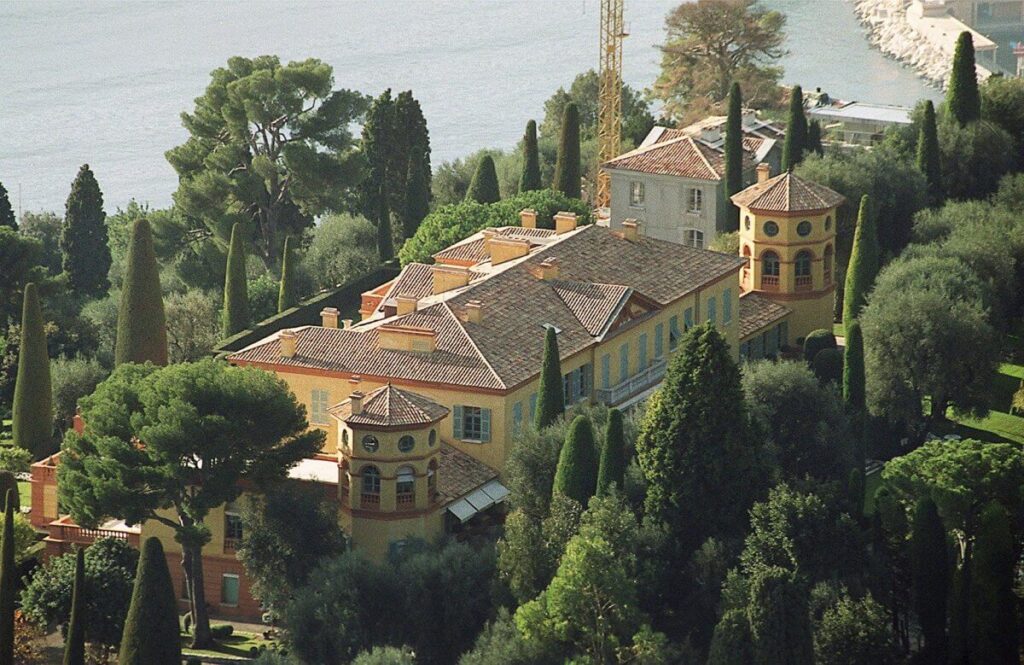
[485,425]
[712,310]
[688,318]
[606,371]
[642,353]
[659,340]
[457,423]
[727,306]
[673,333]
[517,416]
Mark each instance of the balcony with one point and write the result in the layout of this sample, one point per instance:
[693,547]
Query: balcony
[231,544]
[369,501]
[634,385]
[804,282]
[769,282]
[405,501]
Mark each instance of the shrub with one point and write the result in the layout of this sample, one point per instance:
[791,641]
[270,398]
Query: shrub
[15,460]
[816,341]
[828,365]
[341,248]
[221,631]
[72,379]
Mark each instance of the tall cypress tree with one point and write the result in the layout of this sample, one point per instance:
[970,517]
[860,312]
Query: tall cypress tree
[74,644]
[928,154]
[417,198]
[700,400]
[483,188]
[377,145]
[529,180]
[576,473]
[7,217]
[796,131]
[141,324]
[235,316]
[9,482]
[780,623]
[550,398]
[734,153]
[993,607]
[962,96]
[8,580]
[853,367]
[83,238]
[929,567]
[814,138]
[286,292]
[612,468]
[863,266]
[731,642]
[33,397]
[151,628]
[567,163]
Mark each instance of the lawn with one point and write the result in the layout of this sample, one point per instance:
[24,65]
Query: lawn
[999,424]
[238,644]
[838,330]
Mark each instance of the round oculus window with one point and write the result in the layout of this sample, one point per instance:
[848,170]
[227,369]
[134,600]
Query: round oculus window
[771,229]
[803,228]
[432,438]
[370,443]
[406,443]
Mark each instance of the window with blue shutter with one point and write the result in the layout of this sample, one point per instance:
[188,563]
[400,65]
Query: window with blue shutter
[712,309]
[533,407]
[606,371]
[517,416]
[727,306]
[485,425]
[472,423]
[688,318]
[642,353]
[623,362]
[457,423]
[673,333]
[659,340]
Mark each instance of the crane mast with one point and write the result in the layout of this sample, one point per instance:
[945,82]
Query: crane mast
[609,114]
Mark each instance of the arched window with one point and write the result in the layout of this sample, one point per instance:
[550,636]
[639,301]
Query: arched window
[803,270]
[746,222]
[769,270]
[346,479]
[432,479]
[746,266]
[405,488]
[826,264]
[828,223]
[371,487]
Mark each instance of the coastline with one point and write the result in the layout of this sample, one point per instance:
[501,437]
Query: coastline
[889,31]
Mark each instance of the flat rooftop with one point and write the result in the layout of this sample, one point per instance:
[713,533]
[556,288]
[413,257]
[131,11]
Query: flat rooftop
[899,115]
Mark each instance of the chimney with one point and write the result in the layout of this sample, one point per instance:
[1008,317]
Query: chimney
[474,311]
[546,269]
[406,305]
[528,218]
[631,230]
[749,118]
[764,171]
[711,134]
[447,278]
[77,422]
[355,400]
[565,222]
[506,249]
[346,323]
[397,337]
[329,317]
[289,343]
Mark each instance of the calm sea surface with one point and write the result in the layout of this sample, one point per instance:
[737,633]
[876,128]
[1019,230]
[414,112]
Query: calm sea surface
[104,82]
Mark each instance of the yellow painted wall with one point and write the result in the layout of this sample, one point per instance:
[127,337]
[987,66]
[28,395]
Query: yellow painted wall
[214,522]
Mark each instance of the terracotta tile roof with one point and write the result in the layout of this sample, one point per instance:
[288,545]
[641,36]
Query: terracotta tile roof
[758,312]
[416,280]
[504,349]
[787,192]
[682,156]
[592,304]
[459,474]
[389,406]
[472,251]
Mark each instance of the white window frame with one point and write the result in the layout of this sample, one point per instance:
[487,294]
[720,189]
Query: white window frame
[637,193]
[693,238]
[695,201]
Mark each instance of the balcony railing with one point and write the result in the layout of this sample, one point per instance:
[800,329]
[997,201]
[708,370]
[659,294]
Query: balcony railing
[369,501]
[232,544]
[405,500]
[769,282]
[634,385]
[804,282]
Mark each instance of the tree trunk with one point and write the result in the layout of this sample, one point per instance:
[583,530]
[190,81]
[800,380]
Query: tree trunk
[192,563]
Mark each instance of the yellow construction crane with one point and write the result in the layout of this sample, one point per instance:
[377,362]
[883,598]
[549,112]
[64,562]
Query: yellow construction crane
[609,113]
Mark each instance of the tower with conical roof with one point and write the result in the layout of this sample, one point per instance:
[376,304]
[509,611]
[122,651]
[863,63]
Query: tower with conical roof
[788,237]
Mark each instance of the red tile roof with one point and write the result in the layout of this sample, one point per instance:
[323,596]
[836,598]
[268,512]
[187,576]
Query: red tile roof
[681,156]
[758,312]
[389,406]
[787,192]
[459,474]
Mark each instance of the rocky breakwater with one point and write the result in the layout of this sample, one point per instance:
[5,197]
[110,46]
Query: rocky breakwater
[890,31]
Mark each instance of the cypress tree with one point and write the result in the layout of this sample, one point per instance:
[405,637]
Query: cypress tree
[796,131]
[962,96]
[8,580]
[529,180]
[780,624]
[612,468]
[567,164]
[863,266]
[929,568]
[734,153]
[7,217]
[853,367]
[286,292]
[379,134]
[550,398]
[993,608]
[576,473]
[483,188]
[235,316]
[814,138]
[141,324]
[700,400]
[83,238]
[417,197]
[928,154]
[33,400]
[151,628]
[9,482]
[731,643]
[74,644]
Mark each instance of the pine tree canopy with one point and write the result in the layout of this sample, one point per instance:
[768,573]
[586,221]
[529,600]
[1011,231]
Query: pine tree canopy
[7,217]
